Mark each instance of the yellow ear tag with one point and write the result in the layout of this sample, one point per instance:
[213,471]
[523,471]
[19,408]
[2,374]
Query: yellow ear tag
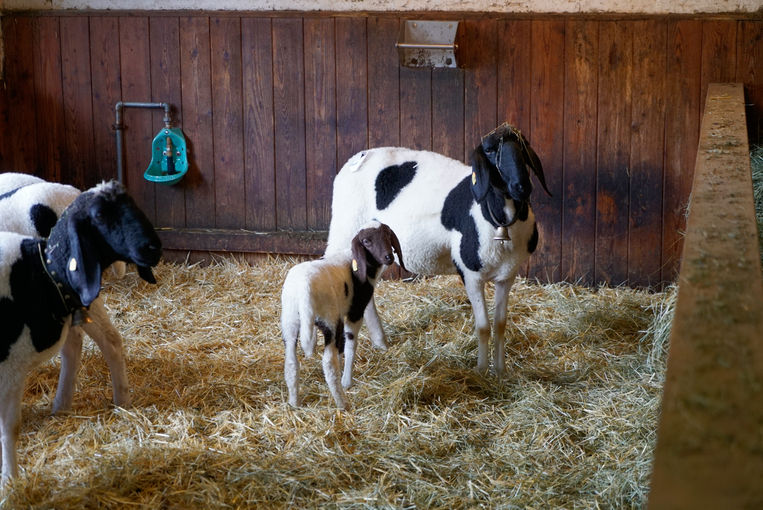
[72,264]
[474,178]
[354,265]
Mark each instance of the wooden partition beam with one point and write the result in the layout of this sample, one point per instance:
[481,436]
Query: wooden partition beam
[709,450]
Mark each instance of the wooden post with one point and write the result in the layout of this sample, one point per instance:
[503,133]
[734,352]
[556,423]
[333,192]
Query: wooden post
[709,450]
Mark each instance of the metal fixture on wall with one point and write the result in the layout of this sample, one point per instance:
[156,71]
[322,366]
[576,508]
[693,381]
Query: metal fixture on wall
[428,43]
[169,159]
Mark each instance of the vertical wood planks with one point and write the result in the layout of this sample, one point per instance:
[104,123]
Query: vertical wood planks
[682,88]
[448,112]
[480,97]
[351,87]
[48,97]
[259,156]
[227,123]
[289,114]
[197,120]
[320,119]
[165,88]
[22,133]
[647,154]
[78,106]
[579,206]
[136,86]
[416,108]
[107,83]
[613,146]
[718,53]
[383,84]
[546,128]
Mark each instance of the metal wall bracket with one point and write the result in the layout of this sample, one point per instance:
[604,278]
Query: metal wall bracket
[428,43]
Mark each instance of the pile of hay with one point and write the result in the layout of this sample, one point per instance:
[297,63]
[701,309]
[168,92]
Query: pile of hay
[573,425]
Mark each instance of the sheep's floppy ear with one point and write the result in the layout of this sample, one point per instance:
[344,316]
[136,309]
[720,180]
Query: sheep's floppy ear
[395,242]
[480,174]
[534,161]
[84,265]
[359,261]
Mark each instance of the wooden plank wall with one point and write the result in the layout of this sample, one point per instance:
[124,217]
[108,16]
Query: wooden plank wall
[273,105]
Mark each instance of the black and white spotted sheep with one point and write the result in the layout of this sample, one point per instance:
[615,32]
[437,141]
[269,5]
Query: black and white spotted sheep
[31,206]
[332,294]
[47,284]
[446,215]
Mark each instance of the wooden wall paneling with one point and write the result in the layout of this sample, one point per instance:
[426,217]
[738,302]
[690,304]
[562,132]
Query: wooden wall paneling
[749,70]
[289,113]
[135,62]
[547,134]
[448,112]
[613,142]
[480,84]
[195,82]
[20,71]
[383,84]
[682,90]
[351,87]
[78,104]
[259,154]
[416,108]
[718,53]
[227,122]
[107,91]
[647,153]
[48,97]
[6,158]
[320,119]
[579,202]
[165,88]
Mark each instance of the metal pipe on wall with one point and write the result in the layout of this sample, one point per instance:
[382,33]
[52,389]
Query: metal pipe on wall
[119,127]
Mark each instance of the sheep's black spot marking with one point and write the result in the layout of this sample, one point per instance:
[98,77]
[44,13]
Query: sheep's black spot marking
[32,292]
[391,181]
[12,326]
[349,336]
[43,218]
[325,329]
[340,336]
[455,216]
[346,290]
[532,243]
[361,295]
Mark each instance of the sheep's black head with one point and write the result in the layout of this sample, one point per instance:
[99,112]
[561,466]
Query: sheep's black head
[101,226]
[373,246]
[501,161]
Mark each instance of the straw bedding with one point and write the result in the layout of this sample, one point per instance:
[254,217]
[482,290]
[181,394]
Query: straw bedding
[572,425]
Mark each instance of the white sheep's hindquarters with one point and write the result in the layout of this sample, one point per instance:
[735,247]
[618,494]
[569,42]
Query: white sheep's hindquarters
[47,285]
[31,206]
[446,216]
[332,294]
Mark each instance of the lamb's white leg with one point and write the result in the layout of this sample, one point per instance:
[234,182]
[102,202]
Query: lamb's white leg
[71,353]
[350,341]
[331,373]
[10,420]
[374,325]
[475,289]
[499,324]
[108,339]
[291,363]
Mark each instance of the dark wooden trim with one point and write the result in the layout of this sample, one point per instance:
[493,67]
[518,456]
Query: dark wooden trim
[708,452]
[243,241]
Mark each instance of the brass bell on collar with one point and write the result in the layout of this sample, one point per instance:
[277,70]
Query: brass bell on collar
[501,234]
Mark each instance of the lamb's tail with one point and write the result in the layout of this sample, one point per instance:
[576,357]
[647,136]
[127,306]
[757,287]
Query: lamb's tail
[307,331]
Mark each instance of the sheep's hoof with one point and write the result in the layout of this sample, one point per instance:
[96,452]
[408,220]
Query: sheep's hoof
[346,384]
[381,345]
